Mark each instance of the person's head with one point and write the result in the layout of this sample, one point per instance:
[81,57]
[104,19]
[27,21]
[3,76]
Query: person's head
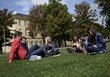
[75,38]
[48,40]
[82,37]
[92,30]
[23,40]
[18,34]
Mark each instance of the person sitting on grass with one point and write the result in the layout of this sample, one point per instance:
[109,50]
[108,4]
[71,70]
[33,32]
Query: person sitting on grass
[24,43]
[76,46]
[49,48]
[95,42]
[22,53]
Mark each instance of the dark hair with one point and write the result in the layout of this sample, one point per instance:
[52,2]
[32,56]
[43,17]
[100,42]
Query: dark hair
[17,33]
[74,39]
[90,28]
[23,38]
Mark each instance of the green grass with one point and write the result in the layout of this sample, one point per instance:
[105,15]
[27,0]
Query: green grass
[66,65]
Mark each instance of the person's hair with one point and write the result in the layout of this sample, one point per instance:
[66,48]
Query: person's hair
[17,33]
[23,38]
[74,39]
[91,28]
[46,40]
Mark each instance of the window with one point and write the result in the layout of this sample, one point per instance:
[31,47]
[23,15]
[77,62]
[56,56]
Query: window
[31,43]
[24,23]
[19,22]
[25,32]
[20,30]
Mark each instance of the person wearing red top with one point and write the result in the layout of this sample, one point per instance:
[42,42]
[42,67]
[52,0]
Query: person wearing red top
[21,53]
[17,48]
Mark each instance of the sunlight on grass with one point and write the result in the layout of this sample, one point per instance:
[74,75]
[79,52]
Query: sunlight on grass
[66,65]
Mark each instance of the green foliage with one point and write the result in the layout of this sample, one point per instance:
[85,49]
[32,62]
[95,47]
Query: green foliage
[6,21]
[58,20]
[104,5]
[84,17]
[103,30]
[36,20]
[50,20]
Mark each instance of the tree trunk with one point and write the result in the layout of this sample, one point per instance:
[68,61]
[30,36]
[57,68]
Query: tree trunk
[64,38]
[43,37]
[59,43]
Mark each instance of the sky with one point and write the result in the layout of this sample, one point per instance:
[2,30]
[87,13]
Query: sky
[23,6]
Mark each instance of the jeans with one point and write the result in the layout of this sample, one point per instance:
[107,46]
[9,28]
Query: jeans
[35,50]
[53,52]
[91,49]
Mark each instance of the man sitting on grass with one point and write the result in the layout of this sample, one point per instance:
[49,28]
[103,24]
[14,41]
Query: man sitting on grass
[95,42]
[21,52]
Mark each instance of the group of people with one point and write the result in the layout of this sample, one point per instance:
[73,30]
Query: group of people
[19,49]
[91,43]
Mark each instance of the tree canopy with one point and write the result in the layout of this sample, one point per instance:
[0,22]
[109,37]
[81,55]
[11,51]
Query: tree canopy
[84,17]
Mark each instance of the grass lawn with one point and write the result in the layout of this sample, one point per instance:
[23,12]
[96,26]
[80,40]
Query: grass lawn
[66,65]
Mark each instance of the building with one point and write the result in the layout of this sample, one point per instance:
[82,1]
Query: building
[21,24]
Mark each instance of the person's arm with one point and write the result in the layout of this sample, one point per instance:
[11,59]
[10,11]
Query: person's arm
[53,47]
[14,47]
[100,40]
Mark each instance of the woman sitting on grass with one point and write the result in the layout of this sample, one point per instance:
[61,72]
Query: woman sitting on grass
[49,48]
[76,46]
[95,42]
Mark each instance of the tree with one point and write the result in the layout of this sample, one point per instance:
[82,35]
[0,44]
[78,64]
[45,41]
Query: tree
[104,5]
[84,17]
[58,20]
[36,20]
[6,21]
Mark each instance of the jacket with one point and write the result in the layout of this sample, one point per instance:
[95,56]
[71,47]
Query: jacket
[17,49]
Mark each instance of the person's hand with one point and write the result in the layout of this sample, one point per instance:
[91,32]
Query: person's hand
[49,51]
[95,46]
[10,61]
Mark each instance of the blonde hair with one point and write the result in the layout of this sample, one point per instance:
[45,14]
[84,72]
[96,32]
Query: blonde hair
[46,40]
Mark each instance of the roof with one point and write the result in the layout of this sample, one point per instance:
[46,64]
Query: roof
[20,16]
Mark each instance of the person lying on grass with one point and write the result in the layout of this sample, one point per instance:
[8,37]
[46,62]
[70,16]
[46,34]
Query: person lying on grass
[49,48]
[95,42]
[21,52]
[76,46]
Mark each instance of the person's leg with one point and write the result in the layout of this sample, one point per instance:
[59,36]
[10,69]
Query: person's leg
[32,49]
[38,52]
[70,50]
[83,49]
[56,51]
[91,49]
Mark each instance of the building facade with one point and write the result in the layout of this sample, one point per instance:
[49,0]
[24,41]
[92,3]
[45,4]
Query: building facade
[21,25]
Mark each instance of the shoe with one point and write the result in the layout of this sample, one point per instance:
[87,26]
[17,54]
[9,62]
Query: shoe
[34,58]
[56,55]
[101,52]
[92,53]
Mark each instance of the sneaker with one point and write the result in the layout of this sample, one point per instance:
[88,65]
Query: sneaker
[92,53]
[56,55]
[35,57]
[101,52]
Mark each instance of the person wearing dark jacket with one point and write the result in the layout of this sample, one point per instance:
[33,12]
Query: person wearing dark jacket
[49,48]
[24,43]
[95,41]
